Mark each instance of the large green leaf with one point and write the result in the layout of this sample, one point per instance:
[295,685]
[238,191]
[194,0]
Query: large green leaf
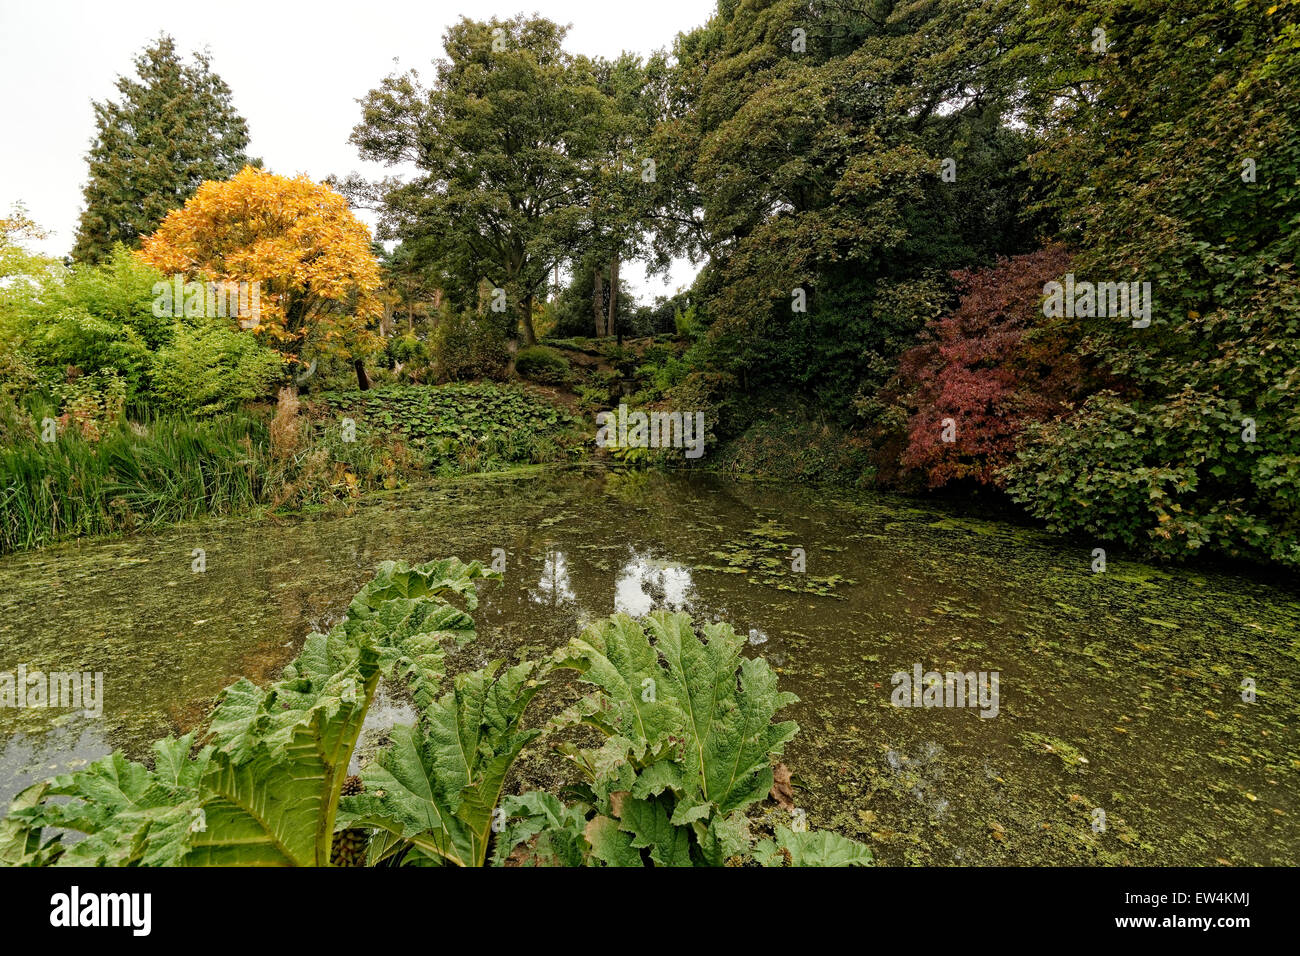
[811,848]
[437,785]
[650,824]
[274,786]
[273,802]
[128,813]
[265,791]
[690,734]
[616,656]
[692,714]
[731,732]
[540,830]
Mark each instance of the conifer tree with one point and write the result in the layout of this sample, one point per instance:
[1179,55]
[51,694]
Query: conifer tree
[173,127]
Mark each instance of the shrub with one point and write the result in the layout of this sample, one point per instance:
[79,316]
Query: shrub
[1171,478]
[1168,464]
[120,291]
[466,346]
[94,320]
[983,366]
[540,364]
[92,345]
[662,370]
[90,403]
[410,357]
[212,367]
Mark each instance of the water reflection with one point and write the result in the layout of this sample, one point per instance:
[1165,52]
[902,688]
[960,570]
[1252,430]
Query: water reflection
[1133,669]
[920,776]
[28,758]
[645,584]
[555,588]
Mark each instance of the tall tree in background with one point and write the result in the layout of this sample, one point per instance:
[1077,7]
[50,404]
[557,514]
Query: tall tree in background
[173,127]
[508,141]
[625,190]
[804,152]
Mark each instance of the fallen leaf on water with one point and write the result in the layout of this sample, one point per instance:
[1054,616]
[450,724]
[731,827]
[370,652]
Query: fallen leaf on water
[782,792]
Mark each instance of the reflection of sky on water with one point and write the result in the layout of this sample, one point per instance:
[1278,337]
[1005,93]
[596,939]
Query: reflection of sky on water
[555,588]
[28,758]
[920,776]
[386,712]
[644,584]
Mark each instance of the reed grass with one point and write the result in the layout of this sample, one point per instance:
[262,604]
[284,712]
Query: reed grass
[169,469]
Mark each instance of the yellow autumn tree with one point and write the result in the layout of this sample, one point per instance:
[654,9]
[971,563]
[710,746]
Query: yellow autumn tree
[311,257]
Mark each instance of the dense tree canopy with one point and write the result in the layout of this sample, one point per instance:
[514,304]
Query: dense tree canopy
[1172,158]
[508,139]
[810,144]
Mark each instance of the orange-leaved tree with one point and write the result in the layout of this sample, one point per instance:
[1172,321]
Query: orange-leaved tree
[317,274]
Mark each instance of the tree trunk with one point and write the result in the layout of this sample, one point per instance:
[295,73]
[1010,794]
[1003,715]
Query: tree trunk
[363,380]
[611,323]
[530,336]
[598,304]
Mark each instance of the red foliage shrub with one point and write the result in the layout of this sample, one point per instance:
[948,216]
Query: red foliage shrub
[991,366]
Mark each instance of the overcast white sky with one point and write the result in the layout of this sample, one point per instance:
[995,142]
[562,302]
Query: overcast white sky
[296,70]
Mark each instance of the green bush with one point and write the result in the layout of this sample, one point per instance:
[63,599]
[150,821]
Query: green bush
[92,345]
[467,346]
[120,291]
[1173,478]
[94,320]
[662,370]
[213,367]
[540,364]
[412,354]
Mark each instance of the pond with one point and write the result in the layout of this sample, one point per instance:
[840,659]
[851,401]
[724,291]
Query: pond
[1120,692]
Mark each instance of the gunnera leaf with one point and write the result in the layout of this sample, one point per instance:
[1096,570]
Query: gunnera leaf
[130,815]
[811,848]
[438,784]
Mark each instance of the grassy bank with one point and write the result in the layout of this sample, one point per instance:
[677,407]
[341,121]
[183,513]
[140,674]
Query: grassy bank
[124,475]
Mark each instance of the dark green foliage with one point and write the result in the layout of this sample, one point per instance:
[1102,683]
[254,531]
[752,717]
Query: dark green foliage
[506,141]
[1171,462]
[467,346]
[173,127]
[820,173]
[540,364]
